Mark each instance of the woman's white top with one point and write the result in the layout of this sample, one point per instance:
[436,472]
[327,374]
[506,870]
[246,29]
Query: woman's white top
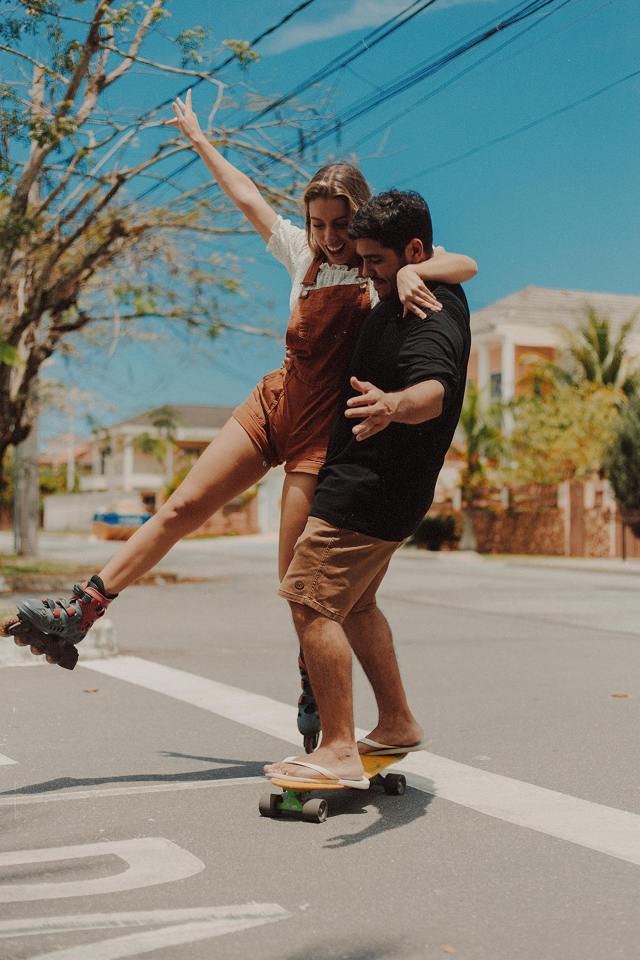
[288,244]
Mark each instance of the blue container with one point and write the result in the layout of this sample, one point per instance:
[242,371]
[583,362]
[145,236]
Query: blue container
[122,519]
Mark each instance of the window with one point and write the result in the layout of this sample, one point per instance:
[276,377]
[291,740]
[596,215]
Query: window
[496,386]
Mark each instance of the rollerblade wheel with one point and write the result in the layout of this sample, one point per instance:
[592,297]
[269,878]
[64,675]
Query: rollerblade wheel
[394,784]
[269,804]
[310,742]
[315,811]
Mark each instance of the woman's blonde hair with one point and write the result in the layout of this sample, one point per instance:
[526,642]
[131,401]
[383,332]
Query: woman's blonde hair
[335,180]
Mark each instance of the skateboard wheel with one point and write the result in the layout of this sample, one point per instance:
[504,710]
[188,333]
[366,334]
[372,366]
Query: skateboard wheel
[269,803]
[315,811]
[310,742]
[394,784]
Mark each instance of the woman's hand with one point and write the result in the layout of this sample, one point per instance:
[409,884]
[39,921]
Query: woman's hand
[414,294]
[185,120]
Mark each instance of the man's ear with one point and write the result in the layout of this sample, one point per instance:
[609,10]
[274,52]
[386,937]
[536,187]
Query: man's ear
[414,251]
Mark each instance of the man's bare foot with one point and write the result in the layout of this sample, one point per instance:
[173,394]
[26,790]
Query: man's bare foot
[405,735]
[343,762]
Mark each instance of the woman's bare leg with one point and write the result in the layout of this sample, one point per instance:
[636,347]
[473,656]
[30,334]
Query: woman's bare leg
[229,465]
[297,497]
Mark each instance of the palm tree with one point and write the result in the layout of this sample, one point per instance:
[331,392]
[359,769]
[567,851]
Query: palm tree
[595,356]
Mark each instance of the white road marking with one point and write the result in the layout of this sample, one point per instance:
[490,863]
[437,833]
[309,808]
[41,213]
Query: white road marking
[134,944]
[17,799]
[5,761]
[149,861]
[591,825]
[176,927]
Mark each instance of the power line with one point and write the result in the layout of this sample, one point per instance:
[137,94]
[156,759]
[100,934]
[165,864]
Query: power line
[353,53]
[426,69]
[522,129]
[357,50]
[252,43]
[458,76]
[214,70]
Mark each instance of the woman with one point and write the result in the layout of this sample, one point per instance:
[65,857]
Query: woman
[286,418]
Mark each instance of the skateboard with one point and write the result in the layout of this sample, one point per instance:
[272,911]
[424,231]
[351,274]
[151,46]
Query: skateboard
[299,799]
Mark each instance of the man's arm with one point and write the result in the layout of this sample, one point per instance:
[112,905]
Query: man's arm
[417,404]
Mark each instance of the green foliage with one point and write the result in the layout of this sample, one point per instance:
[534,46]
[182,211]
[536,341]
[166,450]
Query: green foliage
[191,42]
[481,428]
[9,355]
[622,461]
[436,530]
[241,49]
[564,434]
[594,356]
[53,479]
[13,228]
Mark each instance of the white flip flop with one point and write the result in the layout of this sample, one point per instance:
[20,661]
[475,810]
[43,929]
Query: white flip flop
[331,778]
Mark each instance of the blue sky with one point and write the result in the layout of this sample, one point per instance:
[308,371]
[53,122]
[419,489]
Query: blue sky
[554,206]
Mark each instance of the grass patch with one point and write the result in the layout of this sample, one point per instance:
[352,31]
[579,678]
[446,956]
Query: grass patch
[11,564]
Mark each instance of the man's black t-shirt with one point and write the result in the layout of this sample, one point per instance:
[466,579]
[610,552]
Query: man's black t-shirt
[383,486]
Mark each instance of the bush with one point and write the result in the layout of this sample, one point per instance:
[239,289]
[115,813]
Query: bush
[622,462]
[436,530]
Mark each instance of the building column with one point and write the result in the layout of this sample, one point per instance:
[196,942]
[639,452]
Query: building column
[127,467]
[484,373]
[508,379]
[508,370]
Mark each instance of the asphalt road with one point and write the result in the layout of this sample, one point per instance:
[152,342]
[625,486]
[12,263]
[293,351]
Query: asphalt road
[129,788]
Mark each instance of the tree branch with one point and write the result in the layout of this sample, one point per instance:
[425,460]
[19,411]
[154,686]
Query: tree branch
[165,68]
[139,36]
[36,63]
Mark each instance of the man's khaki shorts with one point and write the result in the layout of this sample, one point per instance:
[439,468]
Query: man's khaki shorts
[336,571]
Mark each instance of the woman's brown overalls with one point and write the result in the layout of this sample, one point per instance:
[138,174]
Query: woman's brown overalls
[289,414]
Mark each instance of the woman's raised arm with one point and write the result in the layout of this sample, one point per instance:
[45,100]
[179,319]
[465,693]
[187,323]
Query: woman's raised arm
[236,184]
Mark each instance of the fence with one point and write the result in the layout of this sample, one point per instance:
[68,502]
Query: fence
[571,519]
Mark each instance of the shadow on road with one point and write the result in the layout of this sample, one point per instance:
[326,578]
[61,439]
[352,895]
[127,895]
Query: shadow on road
[366,950]
[393,812]
[226,769]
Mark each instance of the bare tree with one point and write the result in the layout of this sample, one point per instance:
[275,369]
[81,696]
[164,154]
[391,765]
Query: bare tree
[77,247]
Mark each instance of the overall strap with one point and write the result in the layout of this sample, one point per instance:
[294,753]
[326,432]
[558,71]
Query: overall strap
[311,275]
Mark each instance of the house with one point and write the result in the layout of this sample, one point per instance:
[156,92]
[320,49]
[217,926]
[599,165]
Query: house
[531,321]
[140,455]
[133,461]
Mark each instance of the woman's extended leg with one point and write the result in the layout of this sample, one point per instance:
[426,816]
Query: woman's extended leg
[229,465]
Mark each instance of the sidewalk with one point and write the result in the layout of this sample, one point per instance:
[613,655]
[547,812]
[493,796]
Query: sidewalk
[584,564]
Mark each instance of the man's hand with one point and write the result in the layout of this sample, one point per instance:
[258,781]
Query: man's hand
[414,294]
[375,408]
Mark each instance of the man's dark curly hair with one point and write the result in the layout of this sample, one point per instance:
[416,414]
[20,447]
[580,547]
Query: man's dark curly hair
[393,219]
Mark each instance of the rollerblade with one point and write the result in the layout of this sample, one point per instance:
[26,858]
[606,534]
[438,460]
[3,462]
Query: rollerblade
[54,627]
[308,716]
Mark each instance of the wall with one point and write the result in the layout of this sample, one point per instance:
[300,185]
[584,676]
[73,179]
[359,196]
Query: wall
[74,511]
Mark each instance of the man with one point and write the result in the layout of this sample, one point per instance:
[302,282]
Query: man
[399,413]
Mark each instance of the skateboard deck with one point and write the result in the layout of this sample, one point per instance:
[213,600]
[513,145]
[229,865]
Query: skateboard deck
[373,766]
[297,798]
